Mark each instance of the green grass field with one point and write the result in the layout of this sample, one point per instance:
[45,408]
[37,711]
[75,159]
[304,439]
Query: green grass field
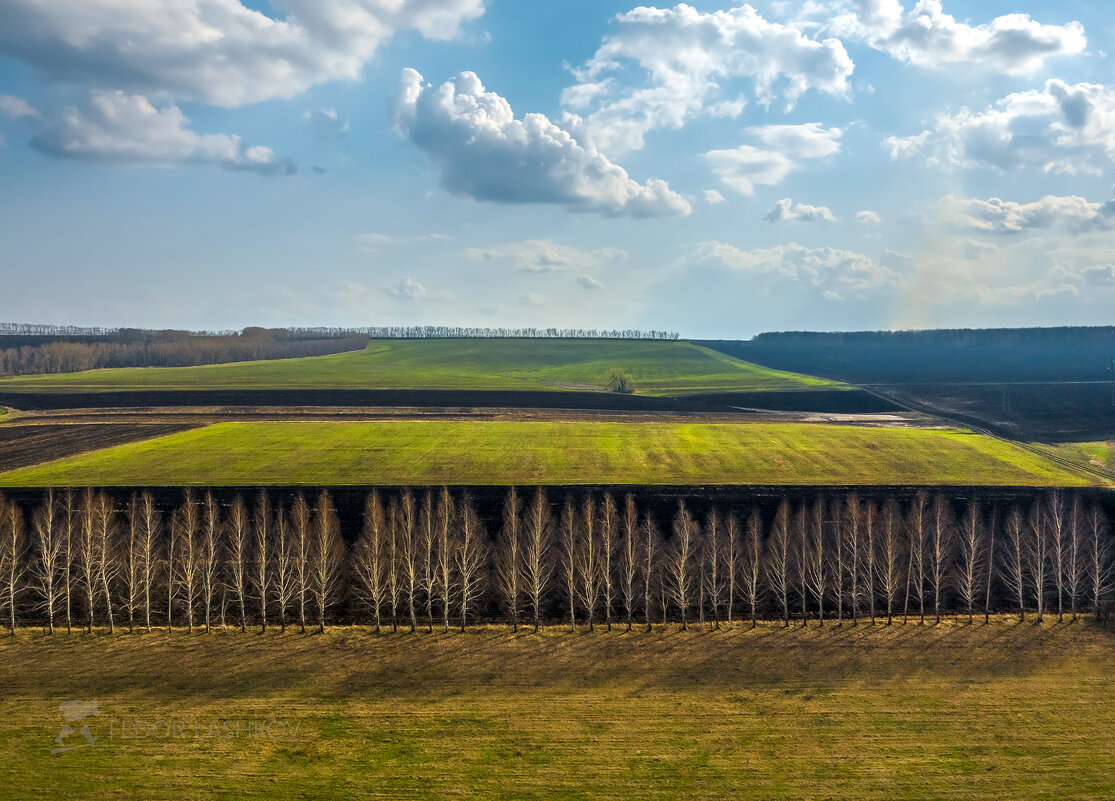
[495,452]
[663,368]
[871,713]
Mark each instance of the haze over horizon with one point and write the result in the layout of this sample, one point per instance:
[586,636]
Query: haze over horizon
[716,168]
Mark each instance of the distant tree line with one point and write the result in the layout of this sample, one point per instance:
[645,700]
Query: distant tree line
[459,332]
[425,560]
[135,348]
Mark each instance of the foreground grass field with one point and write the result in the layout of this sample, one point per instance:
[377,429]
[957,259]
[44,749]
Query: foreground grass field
[995,711]
[497,453]
[658,368]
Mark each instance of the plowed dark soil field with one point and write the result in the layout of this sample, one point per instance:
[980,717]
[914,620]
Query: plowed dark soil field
[22,445]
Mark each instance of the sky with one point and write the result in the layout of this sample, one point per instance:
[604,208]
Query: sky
[712,168]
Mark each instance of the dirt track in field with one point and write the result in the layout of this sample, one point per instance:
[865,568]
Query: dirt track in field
[25,443]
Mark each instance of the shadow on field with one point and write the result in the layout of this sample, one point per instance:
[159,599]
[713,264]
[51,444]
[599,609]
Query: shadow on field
[356,662]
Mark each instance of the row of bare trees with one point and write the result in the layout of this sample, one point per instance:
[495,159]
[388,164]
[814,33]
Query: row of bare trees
[427,560]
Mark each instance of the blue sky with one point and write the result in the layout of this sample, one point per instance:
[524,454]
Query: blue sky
[713,168]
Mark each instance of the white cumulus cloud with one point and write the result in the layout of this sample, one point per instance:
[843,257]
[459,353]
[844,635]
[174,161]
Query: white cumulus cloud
[784,149]
[114,126]
[691,61]
[786,210]
[928,37]
[1061,128]
[216,51]
[486,153]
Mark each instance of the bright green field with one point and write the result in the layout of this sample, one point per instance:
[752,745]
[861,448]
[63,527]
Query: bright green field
[498,452]
[867,713]
[658,368]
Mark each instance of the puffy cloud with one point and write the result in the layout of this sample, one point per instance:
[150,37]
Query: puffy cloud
[994,216]
[1061,128]
[712,197]
[544,256]
[785,147]
[216,51]
[16,107]
[531,299]
[486,153]
[411,290]
[868,217]
[928,37]
[831,270]
[588,282]
[114,126]
[690,59]
[786,210]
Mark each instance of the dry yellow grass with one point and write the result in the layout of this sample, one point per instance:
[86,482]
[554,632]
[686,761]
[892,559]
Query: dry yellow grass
[871,712]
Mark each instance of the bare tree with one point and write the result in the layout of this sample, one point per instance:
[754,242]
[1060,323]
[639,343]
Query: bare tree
[970,556]
[13,544]
[210,556]
[471,554]
[105,521]
[238,529]
[1037,558]
[916,526]
[751,575]
[889,566]
[989,563]
[816,572]
[838,549]
[509,558]
[300,555]
[537,563]
[131,567]
[869,560]
[588,561]
[650,547]
[48,536]
[712,575]
[150,522]
[188,574]
[1075,565]
[86,555]
[445,515]
[940,550]
[369,561]
[681,561]
[853,547]
[326,557]
[733,554]
[69,542]
[261,555]
[569,551]
[801,562]
[283,573]
[1055,524]
[408,533]
[393,588]
[780,560]
[1013,560]
[429,556]
[1099,558]
[607,553]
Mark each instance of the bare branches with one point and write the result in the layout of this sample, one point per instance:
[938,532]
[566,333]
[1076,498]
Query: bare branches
[13,544]
[48,537]
[681,579]
[509,559]
[970,557]
[369,564]
[326,557]
[779,559]
[537,561]
[238,557]
[471,553]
